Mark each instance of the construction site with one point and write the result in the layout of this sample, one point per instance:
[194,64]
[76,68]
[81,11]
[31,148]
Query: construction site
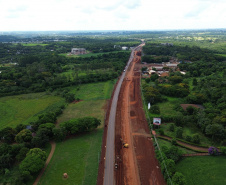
[134,156]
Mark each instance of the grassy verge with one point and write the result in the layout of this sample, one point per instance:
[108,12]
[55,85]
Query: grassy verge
[24,108]
[206,170]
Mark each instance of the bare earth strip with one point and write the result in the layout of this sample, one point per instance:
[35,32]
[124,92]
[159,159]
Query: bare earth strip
[136,164]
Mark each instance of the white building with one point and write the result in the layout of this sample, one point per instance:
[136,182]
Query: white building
[124,48]
[78,51]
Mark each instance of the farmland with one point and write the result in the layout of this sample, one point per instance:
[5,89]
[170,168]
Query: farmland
[78,157]
[80,153]
[206,170]
[24,108]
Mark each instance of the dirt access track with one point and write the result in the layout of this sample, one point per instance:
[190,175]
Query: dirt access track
[136,165]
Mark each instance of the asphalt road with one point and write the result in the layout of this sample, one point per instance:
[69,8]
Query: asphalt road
[110,143]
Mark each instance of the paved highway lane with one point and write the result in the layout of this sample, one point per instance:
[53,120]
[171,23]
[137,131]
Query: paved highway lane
[110,143]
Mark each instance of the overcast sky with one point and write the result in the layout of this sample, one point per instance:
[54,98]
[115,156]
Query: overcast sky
[47,15]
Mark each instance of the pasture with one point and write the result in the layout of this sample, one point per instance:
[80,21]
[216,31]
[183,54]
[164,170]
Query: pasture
[93,98]
[206,170]
[22,109]
[79,155]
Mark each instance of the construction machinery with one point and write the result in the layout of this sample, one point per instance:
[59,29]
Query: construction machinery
[124,144]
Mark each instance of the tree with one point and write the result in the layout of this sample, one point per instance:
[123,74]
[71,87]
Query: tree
[22,154]
[179,132]
[171,167]
[20,127]
[154,77]
[80,125]
[49,127]
[194,81]
[174,153]
[152,95]
[34,161]
[24,136]
[8,134]
[178,179]
[59,134]
[176,79]
[191,110]
[216,131]
[41,137]
[188,138]
[172,127]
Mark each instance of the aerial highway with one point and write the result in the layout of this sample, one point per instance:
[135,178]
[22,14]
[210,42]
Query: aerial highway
[110,141]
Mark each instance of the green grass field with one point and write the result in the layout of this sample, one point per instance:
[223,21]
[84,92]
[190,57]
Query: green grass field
[167,107]
[206,170]
[93,96]
[88,54]
[94,108]
[94,91]
[34,44]
[78,157]
[24,108]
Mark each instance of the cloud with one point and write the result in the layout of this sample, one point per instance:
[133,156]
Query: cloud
[19,8]
[108,14]
[197,10]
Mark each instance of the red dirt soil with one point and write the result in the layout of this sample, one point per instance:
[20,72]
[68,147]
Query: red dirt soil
[137,164]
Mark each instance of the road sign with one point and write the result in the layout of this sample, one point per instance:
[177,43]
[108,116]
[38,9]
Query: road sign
[157,121]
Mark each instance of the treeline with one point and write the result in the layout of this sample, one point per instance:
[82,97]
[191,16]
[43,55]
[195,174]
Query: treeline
[37,73]
[151,59]
[183,53]
[10,51]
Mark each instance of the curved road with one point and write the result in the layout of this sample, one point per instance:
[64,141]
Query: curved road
[110,143]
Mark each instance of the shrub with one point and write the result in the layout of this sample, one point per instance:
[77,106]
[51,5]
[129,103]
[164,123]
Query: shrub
[223,150]
[161,131]
[213,151]
[188,138]
[178,179]
[179,132]
[171,167]
[155,109]
[172,127]
[174,141]
[196,138]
